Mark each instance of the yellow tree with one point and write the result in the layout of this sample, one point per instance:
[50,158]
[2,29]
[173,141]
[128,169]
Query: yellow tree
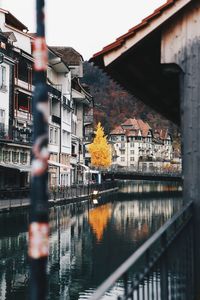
[100,150]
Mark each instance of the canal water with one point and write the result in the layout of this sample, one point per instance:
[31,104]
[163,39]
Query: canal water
[88,240]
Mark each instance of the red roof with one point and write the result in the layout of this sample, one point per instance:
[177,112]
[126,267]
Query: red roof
[118,130]
[131,122]
[136,126]
[145,22]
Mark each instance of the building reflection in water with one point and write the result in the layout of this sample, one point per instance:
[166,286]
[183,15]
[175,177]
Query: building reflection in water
[85,246]
[139,186]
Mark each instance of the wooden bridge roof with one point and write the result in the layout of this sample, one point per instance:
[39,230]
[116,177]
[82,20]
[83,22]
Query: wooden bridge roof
[134,61]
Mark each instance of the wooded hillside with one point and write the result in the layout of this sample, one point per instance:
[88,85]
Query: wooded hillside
[113,105]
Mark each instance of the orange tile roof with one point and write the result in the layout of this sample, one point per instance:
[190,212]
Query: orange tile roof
[136,126]
[131,122]
[118,130]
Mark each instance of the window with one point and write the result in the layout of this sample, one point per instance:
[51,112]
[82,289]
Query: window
[132,152]
[122,152]
[55,107]
[56,136]
[132,158]
[51,135]
[66,116]
[23,158]
[113,138]
[144,167]
[2,120]
[6,156]
[122,158]
[2,77]
[122,138]
[132,145]
[15,157]
[23,104]
[66,138]
[151,168]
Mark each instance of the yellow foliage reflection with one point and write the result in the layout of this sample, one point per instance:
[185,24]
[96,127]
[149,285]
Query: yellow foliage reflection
[98,219]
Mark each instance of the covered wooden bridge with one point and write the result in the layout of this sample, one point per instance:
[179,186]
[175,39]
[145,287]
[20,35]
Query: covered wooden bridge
[158,61]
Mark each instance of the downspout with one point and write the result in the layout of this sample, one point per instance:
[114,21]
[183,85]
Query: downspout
[11,97]
[60,145]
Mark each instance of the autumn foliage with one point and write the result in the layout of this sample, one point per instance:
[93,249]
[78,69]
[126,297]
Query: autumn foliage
[100,150]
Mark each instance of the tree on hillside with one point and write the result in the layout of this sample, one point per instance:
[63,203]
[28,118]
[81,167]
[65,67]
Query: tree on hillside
[100,150]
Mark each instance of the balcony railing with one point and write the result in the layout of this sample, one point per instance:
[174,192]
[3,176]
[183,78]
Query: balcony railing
[23,135]
[67,103]
[25,115]
[16,134]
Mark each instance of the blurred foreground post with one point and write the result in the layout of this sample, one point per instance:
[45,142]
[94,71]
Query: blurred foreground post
[38,227]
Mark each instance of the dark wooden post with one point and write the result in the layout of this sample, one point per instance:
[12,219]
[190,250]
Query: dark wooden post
[38,228]
[180,45]
[190,102]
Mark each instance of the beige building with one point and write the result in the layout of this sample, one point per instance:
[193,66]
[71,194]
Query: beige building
[136,146]
[82,103]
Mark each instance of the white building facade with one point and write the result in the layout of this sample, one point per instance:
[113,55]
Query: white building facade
[135,146]
[67,102]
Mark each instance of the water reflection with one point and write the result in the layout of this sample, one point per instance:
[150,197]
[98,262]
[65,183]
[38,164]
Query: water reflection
[87,243]
[98,219]
[144,186]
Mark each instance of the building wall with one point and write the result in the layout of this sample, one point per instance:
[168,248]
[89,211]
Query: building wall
[130,153]
[66,113]
[23,40]
[80,120]
[4,94]
[179,34]
[77,70]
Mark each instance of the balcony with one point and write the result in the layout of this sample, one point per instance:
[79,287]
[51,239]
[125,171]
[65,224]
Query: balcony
[54,90]
[88,137]
[146,158]
[67,103]
[24,115]
[22,135]
[88,119]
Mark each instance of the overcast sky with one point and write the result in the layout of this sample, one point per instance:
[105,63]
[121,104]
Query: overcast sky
[86,25]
